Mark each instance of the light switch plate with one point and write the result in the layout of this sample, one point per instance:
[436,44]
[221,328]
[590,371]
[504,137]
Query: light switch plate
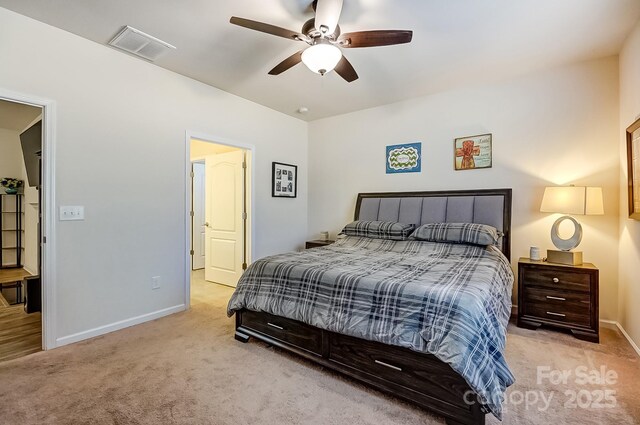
[71,213]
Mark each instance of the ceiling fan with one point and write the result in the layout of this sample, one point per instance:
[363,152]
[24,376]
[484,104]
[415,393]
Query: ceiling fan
[322,34]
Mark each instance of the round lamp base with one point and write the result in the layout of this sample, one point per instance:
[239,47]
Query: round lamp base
[566,244]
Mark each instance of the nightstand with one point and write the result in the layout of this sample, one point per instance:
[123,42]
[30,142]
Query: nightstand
[316,243]
[559,296]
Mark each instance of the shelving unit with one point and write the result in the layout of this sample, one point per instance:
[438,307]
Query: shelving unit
[11,230]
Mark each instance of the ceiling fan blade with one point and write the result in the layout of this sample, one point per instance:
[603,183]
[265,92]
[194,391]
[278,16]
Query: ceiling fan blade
[327,15]
[345,70]
[292,60]
[269,29]
[375,38]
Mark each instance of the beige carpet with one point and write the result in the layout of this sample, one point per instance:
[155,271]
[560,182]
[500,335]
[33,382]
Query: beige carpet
[188,369]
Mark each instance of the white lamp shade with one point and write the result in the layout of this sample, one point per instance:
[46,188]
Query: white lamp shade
[321,58]
[577,200]
[594,204]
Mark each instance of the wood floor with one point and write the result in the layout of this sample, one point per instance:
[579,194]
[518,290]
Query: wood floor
[20,333]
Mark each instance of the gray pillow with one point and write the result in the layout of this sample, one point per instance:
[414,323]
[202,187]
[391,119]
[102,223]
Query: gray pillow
[472,233]
[379,230]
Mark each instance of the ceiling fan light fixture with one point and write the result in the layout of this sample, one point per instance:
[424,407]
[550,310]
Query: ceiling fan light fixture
[326,40]
[321,57]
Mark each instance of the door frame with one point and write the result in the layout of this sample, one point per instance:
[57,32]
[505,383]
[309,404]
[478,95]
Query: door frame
[48,220]
[191,245]
[251,161]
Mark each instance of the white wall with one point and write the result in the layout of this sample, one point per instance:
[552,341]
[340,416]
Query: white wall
[10,154]
[121,126]
[629,292]
[557,127]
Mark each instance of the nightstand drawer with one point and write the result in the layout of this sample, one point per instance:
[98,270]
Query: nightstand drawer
[576,314]
[557,298]
[557,279]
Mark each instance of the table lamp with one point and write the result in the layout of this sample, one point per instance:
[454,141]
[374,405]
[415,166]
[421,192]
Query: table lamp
[575,200]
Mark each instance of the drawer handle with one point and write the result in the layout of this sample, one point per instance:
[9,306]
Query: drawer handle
[556,314]
[390,366]
[549,297]
[556,280]
[275,326]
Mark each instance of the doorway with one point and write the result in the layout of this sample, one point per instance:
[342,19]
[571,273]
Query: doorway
[21,146]
[219,212]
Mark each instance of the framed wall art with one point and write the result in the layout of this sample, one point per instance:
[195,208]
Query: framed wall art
[633,169]
[405,158]
[472,152]
[284,180]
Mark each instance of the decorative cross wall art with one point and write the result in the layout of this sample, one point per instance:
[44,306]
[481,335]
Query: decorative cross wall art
[472,152]
[405,158]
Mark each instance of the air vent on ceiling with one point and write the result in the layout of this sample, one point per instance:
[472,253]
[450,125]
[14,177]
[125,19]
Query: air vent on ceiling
[140,44]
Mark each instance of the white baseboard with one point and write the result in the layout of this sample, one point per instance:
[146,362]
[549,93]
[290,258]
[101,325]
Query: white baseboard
[614,324]
[626,335]
[101,330]
[609,324]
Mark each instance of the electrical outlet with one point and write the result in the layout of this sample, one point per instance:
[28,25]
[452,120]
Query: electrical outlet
[155,282]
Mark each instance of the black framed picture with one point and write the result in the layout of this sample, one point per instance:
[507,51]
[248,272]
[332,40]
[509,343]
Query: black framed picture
[284,180]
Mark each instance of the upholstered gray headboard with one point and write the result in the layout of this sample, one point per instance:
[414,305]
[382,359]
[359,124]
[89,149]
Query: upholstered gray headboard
[484,206]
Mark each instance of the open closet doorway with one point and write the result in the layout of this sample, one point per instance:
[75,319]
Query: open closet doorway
[21,137]
[220,219]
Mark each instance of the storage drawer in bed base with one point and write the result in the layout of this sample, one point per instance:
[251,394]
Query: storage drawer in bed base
[419,378]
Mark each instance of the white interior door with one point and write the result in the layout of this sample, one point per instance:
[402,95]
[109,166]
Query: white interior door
[224,228]
[198,227]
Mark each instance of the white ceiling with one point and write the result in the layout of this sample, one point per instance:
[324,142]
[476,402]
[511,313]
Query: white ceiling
[455,43]
[16,116]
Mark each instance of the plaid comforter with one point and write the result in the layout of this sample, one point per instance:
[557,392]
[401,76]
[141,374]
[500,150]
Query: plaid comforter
[450,300]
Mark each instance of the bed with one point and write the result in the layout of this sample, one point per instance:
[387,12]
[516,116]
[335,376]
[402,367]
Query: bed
[424,321]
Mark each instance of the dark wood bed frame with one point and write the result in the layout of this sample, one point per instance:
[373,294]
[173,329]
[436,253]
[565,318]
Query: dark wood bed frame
[419,378]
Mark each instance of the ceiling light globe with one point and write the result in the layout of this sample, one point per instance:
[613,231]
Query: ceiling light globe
[321,58]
